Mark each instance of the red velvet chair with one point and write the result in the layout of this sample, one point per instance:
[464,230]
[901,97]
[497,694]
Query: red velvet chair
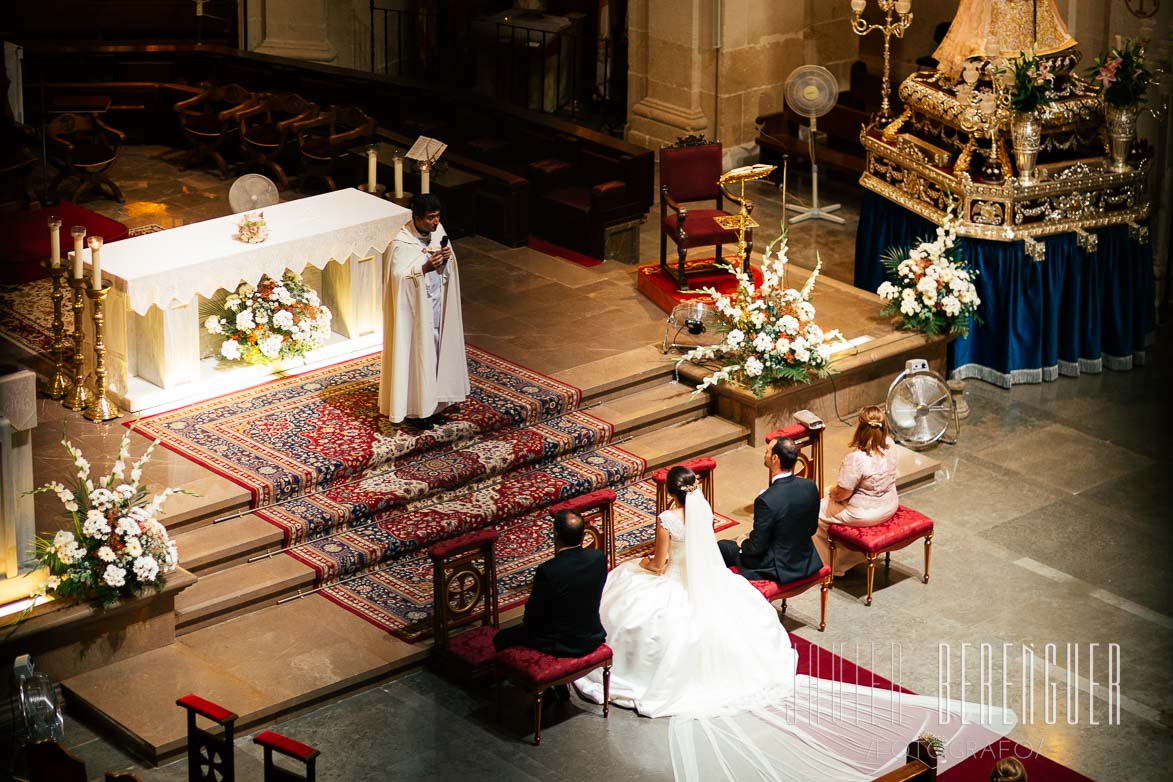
[689,174]
[703,466]
[536,672]
[772,590]
[596,509]
[210,756]
[898,532]
[464,592]
[275,742]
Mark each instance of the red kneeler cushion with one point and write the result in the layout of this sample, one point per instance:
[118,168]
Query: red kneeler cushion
[772,590]
[205,708]
[907,524]
[475,646]
[472,540]
[584,502]
[538,669]
[285,745]
[698,465]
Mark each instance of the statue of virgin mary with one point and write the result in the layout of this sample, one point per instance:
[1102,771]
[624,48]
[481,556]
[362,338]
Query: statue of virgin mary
[1001,28]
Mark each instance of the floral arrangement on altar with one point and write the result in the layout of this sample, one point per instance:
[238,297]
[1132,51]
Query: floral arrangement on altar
[117,547]
[931,287]
[253,229]
[1030,82]
[770,330]
[1121,74]
[275,320]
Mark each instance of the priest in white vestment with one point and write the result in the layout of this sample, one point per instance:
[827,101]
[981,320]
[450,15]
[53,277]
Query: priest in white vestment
[424,368]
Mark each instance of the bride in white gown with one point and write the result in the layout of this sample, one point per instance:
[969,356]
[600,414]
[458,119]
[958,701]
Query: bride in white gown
[694,641]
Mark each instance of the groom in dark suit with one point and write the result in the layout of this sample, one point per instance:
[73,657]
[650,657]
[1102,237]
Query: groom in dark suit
[785,516]
[562,615]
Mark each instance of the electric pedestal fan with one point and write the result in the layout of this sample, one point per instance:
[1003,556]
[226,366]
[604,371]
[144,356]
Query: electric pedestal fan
[698,320]
[811,91]
[920,407]
[251,192]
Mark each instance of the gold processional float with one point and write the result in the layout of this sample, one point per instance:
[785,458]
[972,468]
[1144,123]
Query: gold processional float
[1065,172]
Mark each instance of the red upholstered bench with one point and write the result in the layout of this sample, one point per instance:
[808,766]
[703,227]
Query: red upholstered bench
[212,751]
[772,590]
[596,511]
[275,742]
[703,466]
[536,672]
[896,533]
[464,592]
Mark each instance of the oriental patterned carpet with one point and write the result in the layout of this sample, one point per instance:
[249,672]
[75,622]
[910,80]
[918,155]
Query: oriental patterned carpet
[398,598]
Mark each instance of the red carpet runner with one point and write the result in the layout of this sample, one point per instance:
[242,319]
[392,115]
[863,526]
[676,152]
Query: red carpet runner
[661,289]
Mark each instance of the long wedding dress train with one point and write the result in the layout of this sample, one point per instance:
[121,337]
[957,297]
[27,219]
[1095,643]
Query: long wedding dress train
[699,644]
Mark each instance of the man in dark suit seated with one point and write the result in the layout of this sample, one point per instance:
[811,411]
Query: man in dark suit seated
[785,516]
[562,615]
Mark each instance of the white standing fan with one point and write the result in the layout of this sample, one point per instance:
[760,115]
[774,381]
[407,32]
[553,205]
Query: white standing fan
[252,192]
[920,407]
[811,91]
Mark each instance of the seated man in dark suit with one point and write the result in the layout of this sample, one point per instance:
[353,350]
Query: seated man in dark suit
[785,516]
[562,615]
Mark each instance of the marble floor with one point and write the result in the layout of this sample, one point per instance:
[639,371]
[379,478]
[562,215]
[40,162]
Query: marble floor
[1053,527]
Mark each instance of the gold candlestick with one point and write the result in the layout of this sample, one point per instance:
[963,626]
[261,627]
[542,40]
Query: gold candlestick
[889,28]
[58,385]
[79,395]
[100,408]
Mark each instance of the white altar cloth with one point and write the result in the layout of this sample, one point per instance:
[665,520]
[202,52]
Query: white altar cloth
[170,267]
[153,328]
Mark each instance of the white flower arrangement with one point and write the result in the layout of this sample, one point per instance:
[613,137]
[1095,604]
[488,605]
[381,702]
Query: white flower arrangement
[770,330]
[931,286]
[252,228]
[275,320]
[117,547]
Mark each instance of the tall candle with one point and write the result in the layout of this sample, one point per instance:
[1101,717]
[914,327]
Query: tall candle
[55,241]
[79,235]
[372,164]
[96,262]
[398,177]
[425,178]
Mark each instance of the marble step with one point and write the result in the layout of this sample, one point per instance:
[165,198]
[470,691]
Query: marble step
[247,587]
[619,375]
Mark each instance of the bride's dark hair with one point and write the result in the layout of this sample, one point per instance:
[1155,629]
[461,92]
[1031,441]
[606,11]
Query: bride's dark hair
[681,481]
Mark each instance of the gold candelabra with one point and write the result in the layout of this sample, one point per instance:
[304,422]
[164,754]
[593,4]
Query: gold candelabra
[741,221]
[58,384]
[890,27]
[79,394]
[100,407]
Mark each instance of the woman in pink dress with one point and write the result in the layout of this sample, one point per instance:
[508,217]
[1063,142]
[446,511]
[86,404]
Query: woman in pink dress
[865,492]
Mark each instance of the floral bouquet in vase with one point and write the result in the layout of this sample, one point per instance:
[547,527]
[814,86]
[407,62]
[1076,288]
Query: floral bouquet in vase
[770,330]
[116,547]
[931,286]
[278,319]
[1121,75]
[253,229]
[1031,83]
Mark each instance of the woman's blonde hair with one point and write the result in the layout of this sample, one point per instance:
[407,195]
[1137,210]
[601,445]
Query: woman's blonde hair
[1008,770]
[871,431]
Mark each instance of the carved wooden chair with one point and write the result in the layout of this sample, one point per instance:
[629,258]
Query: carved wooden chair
[209,122]
[597,512]
[464,592]
[210,756]
[275,742]
[689,173]
[703,466]
[267,127]
[83,147]
[325,140]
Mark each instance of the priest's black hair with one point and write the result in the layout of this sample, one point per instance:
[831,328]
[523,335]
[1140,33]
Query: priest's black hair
[424,203]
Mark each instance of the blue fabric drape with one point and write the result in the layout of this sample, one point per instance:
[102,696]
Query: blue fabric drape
[1072,312]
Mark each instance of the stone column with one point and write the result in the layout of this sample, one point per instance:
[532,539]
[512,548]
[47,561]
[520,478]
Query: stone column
[297,29]
[18,418]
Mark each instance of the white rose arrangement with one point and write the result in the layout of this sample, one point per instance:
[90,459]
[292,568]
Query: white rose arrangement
[117,546]
[770,330]
[931,287]
[277,319]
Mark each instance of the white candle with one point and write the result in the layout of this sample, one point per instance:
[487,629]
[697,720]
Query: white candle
[79,235]
[55,242]
[398,177]
[372,165]
[425,178]
[96,262]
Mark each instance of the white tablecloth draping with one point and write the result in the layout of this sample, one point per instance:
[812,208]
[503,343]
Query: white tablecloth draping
[168,268]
